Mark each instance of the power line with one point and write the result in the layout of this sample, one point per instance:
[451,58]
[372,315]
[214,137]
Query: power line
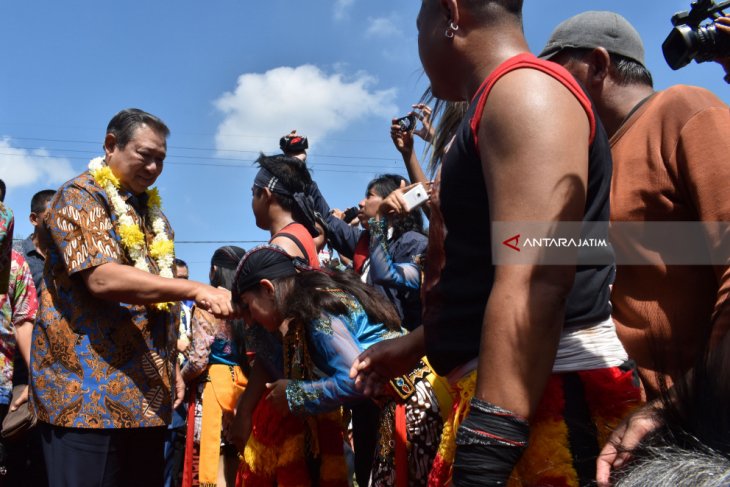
[209,149]
[234,166]
[215,158]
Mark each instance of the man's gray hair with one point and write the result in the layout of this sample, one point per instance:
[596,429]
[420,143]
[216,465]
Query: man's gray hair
[124,123]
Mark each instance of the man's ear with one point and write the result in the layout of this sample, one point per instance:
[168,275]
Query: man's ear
[451,9]
[110,142]
[33,217]
[599,62]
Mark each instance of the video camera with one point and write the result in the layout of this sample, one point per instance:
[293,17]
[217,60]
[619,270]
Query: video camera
[689,39]
[293,143]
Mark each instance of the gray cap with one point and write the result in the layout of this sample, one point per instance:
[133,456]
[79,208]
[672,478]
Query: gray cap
[593,29]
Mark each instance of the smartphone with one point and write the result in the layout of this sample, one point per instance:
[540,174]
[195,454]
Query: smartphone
[350,214]
[407,123]
[415,197]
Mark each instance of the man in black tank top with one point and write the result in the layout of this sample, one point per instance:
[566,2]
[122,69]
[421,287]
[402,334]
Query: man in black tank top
[529,150]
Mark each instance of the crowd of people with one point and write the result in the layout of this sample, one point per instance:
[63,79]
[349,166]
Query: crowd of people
[419,356]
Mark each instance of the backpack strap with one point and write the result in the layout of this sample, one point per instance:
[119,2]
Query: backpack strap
[296,240]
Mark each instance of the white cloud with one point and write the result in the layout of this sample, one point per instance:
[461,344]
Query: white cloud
[22,167]
[265,106]
[382,27]
[341,8]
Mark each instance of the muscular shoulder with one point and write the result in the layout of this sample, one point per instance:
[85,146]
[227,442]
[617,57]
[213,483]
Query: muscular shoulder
[525,102]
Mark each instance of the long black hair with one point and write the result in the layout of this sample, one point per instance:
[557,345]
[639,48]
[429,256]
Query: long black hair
[303,293]
[304,296]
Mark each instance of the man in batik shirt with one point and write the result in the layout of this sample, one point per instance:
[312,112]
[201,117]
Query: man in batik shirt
[103,373]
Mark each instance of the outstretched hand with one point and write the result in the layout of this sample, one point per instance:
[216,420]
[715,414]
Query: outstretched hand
[426,131]
[723,27]
[215,300]
[394,203]
[402,139]
[384,361]
[625,438]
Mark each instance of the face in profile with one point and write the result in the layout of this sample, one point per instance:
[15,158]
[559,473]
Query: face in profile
[437,51]
[259,207]
[369,206]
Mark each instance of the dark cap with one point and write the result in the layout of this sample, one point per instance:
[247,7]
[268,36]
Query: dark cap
[593,29]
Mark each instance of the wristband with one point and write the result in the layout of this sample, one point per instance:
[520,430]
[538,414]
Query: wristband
[489,443]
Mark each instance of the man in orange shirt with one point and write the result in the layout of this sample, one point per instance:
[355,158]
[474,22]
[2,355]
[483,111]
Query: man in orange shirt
[670,165]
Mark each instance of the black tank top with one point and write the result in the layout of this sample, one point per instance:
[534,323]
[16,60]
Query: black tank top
[459,267]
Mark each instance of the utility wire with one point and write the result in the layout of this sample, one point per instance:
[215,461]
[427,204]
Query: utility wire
[234,166]
[208,149]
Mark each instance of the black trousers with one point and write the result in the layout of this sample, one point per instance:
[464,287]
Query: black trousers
[78,457]
[365,426]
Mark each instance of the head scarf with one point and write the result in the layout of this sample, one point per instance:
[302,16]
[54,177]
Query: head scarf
[263,262]
[227,257]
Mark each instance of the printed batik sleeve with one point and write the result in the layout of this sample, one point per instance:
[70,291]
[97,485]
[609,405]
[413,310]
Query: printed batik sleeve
[333,344]
[24,300]
[383,270]
[82,230]
[203,336]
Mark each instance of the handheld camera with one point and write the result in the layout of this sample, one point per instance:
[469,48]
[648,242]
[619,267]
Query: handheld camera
[407,123]
[691,39]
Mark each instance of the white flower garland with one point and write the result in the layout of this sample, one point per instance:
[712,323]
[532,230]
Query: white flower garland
[162,248]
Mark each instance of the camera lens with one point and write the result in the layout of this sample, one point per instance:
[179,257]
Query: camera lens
[704,43]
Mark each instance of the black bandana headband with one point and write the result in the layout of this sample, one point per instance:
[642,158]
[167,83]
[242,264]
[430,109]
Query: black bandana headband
[264,262]
[265,180]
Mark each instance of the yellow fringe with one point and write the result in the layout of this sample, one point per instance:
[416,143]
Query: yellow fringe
[463,392]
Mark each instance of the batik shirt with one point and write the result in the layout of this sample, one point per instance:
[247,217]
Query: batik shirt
[335,342]
[213,343]
[97,363]
[17,307]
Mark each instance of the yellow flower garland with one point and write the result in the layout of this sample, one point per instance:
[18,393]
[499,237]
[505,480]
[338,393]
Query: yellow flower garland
[162,249]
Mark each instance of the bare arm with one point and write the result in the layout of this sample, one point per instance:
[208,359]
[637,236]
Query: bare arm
[533,143]
[403,142]
[123,283]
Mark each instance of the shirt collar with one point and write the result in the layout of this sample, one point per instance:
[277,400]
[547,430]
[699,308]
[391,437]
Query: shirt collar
[138,201]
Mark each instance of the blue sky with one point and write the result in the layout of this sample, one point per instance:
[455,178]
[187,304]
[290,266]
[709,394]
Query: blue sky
[229,77]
